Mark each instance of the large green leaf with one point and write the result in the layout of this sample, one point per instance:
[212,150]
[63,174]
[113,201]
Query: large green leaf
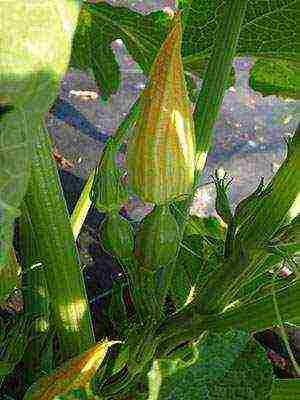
[269,29]
[14,338]
[276,77]
[230,365]
[35,47]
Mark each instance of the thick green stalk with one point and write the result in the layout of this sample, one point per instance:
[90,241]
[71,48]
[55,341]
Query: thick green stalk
[188,323]
[58,253]
[216,76]
[36,302]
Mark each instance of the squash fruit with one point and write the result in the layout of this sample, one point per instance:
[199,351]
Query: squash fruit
[117,236]
[157,240]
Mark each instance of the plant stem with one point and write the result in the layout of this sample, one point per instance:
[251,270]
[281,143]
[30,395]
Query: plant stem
[36,301]
[217,74]
[188,324]
[58,253]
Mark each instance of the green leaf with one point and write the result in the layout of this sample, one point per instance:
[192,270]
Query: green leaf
[230,365]
[15,149]
[10,278]
[182,357]
[260,314]
[115,364]
[31,67]
[78,394]
[276,77]
[294,321]
[248,206]
[258,36]
[286,389]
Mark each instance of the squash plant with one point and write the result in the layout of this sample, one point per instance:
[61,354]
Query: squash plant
[207,339]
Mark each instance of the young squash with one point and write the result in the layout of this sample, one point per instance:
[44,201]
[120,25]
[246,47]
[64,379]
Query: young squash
[117,236]
[157,240]
[161,152]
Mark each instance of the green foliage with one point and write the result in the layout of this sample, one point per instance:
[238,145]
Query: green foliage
[209,227]
[30,71]
[286,389]
[257,37]
[78,394]
[15,149]
[229,366]
[222,202]
[221,365]
[9,279]
[115,364]
[100,24]
[247,207]
[197,259]
[276,77]
[117,311]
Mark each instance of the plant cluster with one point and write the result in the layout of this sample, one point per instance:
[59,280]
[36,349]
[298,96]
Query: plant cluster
[215,271]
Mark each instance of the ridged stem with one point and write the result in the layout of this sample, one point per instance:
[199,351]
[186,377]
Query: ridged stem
[36,302]
[260,314]
[216,76]
[58,253]
[211,96]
